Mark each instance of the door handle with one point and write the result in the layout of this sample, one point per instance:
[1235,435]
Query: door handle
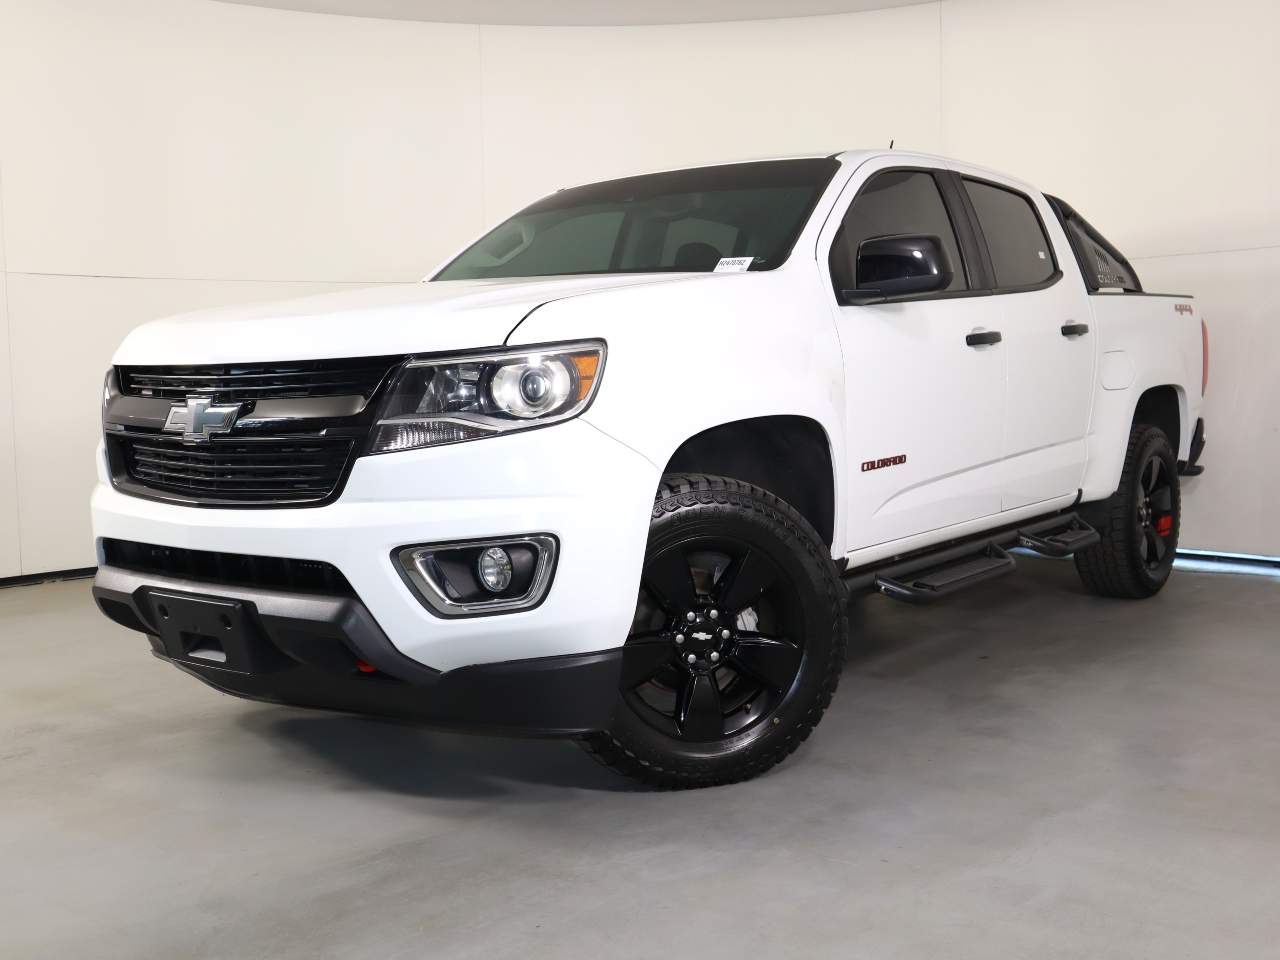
[985,338]
[1074,329]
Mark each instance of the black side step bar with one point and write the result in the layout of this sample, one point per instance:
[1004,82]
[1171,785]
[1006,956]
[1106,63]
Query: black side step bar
[933,580]
[1061,542]
[938,571]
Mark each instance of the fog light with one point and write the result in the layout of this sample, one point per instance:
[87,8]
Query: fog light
[494,569]
[475,578]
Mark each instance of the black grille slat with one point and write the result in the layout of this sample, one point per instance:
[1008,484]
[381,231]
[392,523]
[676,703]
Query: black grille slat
[312,389]
[263,453]
[161,462]
[228,383]
[301,576]
[202,484]
[277,469]
[136,374]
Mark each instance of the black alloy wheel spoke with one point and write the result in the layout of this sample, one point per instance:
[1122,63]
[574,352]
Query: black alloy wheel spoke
[670,579]
[1161,497]
[1151,475]
[771,661]
[643,657]
[747,578]
[1155,504]
[699,715]
[1155,548]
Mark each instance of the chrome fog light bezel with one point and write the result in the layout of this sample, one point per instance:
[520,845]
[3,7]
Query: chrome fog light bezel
[416,566]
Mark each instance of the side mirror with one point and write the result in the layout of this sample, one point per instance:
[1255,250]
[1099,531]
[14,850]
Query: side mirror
[888,268]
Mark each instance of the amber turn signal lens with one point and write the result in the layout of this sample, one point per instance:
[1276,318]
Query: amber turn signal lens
[586,364]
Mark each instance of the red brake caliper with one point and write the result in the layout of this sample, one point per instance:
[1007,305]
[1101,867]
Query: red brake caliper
[1164,525]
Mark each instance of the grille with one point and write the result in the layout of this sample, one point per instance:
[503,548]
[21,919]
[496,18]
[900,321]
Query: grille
[278,470]
[235,569]
[240,382]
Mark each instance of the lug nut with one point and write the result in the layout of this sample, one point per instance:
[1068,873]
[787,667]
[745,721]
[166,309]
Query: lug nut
[679,638]
[690,658]
[715,614]
[724,634]
[715,657]
[691,616]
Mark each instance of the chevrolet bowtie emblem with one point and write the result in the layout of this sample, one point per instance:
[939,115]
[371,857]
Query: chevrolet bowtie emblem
[200,418]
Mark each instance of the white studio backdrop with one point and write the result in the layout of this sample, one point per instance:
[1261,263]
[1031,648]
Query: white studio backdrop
[165,155]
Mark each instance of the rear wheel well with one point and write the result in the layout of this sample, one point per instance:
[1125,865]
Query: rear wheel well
[787,455]
[1159,407]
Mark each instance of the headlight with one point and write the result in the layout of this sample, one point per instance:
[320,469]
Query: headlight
[451,399]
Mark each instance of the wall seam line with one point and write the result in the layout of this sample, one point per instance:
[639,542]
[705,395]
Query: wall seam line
[13,393]
[942,91]
[128,276]
[541,25]
[480,114]
[1207,253]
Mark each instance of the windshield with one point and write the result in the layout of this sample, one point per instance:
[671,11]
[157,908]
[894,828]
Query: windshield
[683,221]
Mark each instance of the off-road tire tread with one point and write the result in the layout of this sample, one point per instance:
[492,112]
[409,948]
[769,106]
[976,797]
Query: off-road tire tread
[677,491]
[1110,568]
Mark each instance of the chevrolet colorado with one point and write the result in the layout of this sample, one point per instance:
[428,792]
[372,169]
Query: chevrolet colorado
[615,469]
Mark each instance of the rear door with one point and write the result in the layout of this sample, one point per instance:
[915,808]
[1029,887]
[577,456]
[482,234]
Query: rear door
[924,406]
[1049,345]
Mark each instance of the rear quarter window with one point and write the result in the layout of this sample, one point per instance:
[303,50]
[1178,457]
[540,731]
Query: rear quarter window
[1104,267]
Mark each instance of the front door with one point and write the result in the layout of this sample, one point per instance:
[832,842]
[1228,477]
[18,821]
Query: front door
[924,388]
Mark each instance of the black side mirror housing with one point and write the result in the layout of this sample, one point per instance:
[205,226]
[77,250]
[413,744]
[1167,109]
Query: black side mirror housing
[891,268]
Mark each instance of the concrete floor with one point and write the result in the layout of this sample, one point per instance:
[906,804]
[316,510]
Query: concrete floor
[1023,771]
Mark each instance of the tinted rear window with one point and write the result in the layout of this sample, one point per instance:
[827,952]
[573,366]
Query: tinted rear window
[1020,252]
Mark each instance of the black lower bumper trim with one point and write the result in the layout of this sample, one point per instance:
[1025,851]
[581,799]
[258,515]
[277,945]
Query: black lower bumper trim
[328,652]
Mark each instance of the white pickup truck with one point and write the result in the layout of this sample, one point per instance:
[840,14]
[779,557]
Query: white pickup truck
[614,471]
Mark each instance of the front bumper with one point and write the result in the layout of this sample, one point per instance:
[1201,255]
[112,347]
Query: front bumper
[323,651]
[591,492]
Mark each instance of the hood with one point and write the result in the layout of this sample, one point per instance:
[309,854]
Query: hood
[398,318]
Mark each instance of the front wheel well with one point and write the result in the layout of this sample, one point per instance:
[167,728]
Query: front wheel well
[789,456]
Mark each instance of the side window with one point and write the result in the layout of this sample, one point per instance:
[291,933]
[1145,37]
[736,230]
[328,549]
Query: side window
[1020,252]
[892,203]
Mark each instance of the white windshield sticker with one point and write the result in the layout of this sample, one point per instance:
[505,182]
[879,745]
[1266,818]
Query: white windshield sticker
[733,264]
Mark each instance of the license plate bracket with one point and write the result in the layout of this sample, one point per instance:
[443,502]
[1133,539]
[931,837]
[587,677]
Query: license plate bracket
[212,632]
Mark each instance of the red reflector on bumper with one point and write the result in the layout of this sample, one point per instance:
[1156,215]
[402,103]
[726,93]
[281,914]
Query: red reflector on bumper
[366,667]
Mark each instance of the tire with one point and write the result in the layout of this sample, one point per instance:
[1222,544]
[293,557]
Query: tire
[1139,522]
[737,643]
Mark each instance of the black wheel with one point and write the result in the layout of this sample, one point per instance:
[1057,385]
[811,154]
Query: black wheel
[1139,522]
[737,641]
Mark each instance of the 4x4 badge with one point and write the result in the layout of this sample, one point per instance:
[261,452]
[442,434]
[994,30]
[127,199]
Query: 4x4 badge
[200,419]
